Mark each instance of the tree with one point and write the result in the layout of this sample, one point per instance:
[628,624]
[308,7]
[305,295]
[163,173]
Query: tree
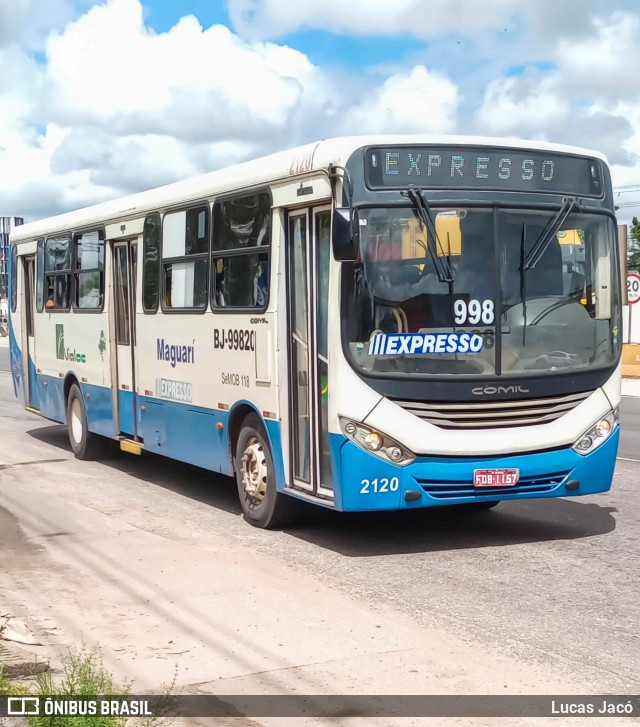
[633,246]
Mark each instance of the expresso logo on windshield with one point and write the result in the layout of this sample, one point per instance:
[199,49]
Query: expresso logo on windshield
[66,354]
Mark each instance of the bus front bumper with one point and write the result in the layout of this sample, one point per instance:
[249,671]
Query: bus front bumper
[370,483]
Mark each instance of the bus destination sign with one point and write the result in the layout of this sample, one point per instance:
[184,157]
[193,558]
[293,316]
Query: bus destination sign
[482,169]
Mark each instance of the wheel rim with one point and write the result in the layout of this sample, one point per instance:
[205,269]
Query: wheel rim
[254,471]
[76,421]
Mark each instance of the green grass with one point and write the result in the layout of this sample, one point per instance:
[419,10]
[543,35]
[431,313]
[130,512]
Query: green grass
[83,675]
[9,688]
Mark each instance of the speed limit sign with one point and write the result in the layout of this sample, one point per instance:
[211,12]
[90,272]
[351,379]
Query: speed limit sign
[633,287]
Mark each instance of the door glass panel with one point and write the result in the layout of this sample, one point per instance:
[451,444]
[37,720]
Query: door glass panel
[29,295]
[40,276]
[122,297]
[134,281]
[300,347]
[323,256]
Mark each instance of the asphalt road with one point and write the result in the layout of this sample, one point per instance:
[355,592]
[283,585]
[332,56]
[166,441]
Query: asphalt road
[553,583]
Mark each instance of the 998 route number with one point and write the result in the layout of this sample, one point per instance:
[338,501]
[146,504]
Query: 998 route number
[379,485]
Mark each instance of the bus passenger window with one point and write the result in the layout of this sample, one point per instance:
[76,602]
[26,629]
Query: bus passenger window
[242,282]
[151,265]
[57,265]
[185,260]
[89,272]
[241,244]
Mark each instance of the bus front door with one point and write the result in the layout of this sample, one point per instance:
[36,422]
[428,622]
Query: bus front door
[28,271]
[309,254]
[125,255]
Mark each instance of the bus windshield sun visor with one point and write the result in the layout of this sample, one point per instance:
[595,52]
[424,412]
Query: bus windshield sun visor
[421,205]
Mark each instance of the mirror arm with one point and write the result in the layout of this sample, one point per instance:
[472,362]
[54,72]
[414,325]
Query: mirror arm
[334,176]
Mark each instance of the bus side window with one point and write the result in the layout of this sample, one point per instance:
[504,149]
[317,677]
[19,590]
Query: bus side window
[185,258]
[241,251]
[89,273]
[57,265]
[151,265]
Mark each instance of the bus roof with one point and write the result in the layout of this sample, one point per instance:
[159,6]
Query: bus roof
[304,159]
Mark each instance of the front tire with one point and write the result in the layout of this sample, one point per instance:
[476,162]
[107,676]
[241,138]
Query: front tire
[84,444]
[262,505]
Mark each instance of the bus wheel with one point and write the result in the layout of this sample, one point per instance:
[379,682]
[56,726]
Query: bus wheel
[262,505]
[84,444]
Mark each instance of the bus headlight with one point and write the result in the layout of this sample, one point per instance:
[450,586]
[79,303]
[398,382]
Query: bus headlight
[376,442]
[598,433]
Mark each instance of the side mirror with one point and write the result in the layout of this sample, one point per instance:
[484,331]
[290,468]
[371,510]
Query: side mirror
[346,234]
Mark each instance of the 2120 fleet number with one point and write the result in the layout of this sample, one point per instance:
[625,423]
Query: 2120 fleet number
[379,485]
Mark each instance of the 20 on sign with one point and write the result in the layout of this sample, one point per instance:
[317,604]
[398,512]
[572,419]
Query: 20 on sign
[633,287]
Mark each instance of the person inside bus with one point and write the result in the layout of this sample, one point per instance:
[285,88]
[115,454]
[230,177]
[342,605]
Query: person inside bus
[51,294]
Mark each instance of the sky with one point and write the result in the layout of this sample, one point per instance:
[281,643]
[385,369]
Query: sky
[102,99]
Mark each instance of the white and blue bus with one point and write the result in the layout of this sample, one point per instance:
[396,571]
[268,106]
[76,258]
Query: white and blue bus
[364,323]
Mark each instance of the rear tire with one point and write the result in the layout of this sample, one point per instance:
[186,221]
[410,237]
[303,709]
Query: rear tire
[84,444]
[262,505]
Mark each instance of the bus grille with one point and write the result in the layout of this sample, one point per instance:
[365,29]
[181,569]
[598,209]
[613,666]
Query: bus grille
[450,489]
[493,414]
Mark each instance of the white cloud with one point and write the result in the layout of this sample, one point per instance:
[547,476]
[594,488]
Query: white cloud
[417,102]
[588,97]
[542,20]
[125,108]
[521,105]
[28,22]
[274,18]
[109,106]
[606,65]
[189,82]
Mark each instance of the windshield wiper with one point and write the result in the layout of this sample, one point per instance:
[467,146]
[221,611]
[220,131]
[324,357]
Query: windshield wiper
[533,257]
[445,274]
[550,230]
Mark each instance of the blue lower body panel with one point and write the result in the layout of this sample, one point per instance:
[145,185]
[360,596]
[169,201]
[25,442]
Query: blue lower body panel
[370,483]
[34,395]
[51,390]
[185,432]
[126,404]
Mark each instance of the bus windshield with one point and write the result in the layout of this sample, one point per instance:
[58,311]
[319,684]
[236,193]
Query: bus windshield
[556,309]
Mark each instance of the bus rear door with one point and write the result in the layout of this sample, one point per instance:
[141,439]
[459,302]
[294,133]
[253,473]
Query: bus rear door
[125,259]
[28,345]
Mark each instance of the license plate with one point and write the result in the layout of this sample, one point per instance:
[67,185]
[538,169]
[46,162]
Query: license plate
[495,478]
